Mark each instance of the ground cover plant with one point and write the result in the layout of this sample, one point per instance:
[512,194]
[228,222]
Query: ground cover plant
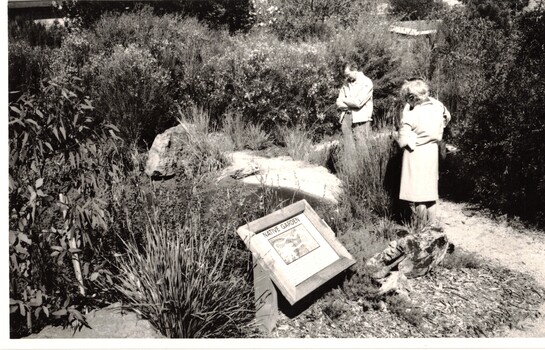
[87,228]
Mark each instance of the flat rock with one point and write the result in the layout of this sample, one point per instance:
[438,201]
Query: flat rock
[105,323]
[284,172]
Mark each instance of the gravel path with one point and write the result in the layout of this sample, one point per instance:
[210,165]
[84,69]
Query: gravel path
[516,248]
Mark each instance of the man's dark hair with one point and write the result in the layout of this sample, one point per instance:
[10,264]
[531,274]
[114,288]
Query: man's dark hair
[352,65]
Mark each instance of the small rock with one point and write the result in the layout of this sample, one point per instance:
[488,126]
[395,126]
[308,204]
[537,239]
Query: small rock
[382,306]
[395,282]
[381,264]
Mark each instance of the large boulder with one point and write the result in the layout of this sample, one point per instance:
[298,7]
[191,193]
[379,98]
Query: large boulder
[413,255]
[164,156]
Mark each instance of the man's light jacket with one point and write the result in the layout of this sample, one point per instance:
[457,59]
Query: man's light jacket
[358,96]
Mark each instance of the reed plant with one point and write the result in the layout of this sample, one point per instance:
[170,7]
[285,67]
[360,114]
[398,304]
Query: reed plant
[245,135]
[298,142]
[182,281]
[299,145]
[201,153]
[370,176]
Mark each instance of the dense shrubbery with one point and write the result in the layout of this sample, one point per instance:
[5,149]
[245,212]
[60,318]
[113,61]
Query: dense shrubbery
[500,12]
[235,15]
[414,9]
[130,90]
[166,61]
[490,80]
[316,19]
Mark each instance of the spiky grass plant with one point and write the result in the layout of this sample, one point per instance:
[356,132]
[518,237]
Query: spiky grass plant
[201,153]
[256,137]
[298,142]
[251,136]
[370,175]
[184,283]
[234,128]
[299,145]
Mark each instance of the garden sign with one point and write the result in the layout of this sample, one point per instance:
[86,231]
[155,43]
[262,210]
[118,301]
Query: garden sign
[294,248]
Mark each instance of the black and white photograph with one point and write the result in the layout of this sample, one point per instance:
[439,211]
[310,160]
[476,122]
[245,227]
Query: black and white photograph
[165,158]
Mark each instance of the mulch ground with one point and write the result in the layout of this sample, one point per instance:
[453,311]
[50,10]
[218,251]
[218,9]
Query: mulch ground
[464,302]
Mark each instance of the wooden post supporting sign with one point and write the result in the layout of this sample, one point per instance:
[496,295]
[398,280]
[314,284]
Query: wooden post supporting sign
[266,299]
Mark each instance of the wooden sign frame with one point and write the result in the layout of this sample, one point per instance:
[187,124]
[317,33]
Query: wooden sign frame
[322,251]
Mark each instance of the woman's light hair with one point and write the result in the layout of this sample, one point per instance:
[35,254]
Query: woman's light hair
[417,88]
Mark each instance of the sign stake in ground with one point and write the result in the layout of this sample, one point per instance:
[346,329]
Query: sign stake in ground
[294,248]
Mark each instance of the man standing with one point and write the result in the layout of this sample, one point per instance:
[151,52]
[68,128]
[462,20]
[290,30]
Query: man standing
[355,102]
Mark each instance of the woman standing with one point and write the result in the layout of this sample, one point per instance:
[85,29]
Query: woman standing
[422,122]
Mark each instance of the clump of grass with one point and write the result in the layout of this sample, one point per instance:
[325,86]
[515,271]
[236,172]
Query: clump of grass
[183,281]
[298,142]
[251,136]
[201,154]
[299,145]
[256,137]
[234,128]
[370,176]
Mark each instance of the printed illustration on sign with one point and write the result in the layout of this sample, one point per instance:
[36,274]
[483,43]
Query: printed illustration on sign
[294,243]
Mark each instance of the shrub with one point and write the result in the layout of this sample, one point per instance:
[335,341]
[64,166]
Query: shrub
[131,91]
[237,15]
[35,34]
[274,83]
[307,20]
[414,9]
[73,54]
[62,164]
[497,123]
[28,65]
[500,12]
[177,49]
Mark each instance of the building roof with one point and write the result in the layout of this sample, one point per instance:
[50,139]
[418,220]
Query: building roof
[415,28]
